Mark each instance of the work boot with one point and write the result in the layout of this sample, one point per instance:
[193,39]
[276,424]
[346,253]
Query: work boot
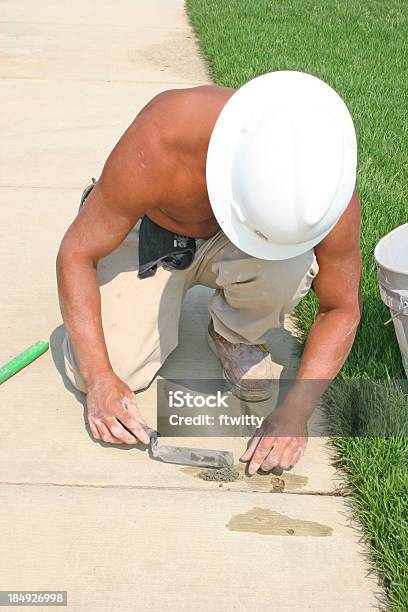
[247,368]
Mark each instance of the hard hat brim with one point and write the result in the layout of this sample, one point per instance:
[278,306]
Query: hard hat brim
[221,150]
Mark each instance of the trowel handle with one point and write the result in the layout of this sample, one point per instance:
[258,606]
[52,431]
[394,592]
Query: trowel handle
[153,435]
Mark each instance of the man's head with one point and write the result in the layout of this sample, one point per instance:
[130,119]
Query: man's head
[281,164]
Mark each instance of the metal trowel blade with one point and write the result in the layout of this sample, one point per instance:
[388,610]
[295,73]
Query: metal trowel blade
[202,457]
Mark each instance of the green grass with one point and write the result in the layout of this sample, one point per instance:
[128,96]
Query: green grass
[359,47]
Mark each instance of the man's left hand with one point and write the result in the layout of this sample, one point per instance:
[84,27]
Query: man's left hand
[279,443]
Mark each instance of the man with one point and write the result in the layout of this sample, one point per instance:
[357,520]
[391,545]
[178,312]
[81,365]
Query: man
[250,192]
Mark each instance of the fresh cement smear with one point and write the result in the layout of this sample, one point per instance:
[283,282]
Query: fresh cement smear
[266,482]
[269,522]
[226,474]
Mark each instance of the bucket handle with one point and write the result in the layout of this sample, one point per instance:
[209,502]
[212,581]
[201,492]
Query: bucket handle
[398,313]
[397,301]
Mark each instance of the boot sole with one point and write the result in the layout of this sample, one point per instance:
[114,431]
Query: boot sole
[235,389]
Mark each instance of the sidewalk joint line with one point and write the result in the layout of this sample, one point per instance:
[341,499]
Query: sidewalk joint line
[335,493]
[87,80]
[69,24]
[56,187]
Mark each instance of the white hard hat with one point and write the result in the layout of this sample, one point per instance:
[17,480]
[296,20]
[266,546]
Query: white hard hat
[281,164]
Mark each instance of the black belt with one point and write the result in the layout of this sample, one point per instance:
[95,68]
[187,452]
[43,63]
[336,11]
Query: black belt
[157,244]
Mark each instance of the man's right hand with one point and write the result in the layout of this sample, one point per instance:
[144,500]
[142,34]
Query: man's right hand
[113,412]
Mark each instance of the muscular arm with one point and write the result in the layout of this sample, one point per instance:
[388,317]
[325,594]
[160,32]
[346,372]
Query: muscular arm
[97,231]
[337,286]
[146,172]
[282,439]
[137,177]
[128,187]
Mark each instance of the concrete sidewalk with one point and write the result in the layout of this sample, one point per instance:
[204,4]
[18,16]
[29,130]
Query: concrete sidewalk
[115,529]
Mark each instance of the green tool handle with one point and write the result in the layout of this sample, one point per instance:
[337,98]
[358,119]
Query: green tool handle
[22,360]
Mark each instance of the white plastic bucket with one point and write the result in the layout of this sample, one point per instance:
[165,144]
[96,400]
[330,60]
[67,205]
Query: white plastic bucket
[391,255]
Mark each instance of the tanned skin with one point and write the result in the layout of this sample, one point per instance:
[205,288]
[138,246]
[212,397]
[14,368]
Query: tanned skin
[158,168]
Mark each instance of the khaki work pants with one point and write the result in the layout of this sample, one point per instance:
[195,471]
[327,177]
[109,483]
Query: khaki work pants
[141,317]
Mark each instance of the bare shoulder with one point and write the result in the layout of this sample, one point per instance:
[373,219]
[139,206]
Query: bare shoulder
[147,159]
[190,99]
[187,113]
[158,159]
[144,158]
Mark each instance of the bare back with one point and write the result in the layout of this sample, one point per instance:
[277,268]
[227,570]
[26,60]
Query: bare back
[168,142]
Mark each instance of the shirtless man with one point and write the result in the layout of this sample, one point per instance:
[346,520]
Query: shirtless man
[121,328]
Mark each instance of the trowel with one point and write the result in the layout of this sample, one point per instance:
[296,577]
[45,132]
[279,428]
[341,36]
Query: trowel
[201,457]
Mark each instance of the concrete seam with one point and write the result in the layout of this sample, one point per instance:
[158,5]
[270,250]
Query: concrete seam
[161,82]
[335,493]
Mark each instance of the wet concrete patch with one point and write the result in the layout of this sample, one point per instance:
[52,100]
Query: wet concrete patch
[226,474]
[269,522]
[266,482]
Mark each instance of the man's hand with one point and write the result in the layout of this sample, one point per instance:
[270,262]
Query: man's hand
[112,410]
[279,443]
